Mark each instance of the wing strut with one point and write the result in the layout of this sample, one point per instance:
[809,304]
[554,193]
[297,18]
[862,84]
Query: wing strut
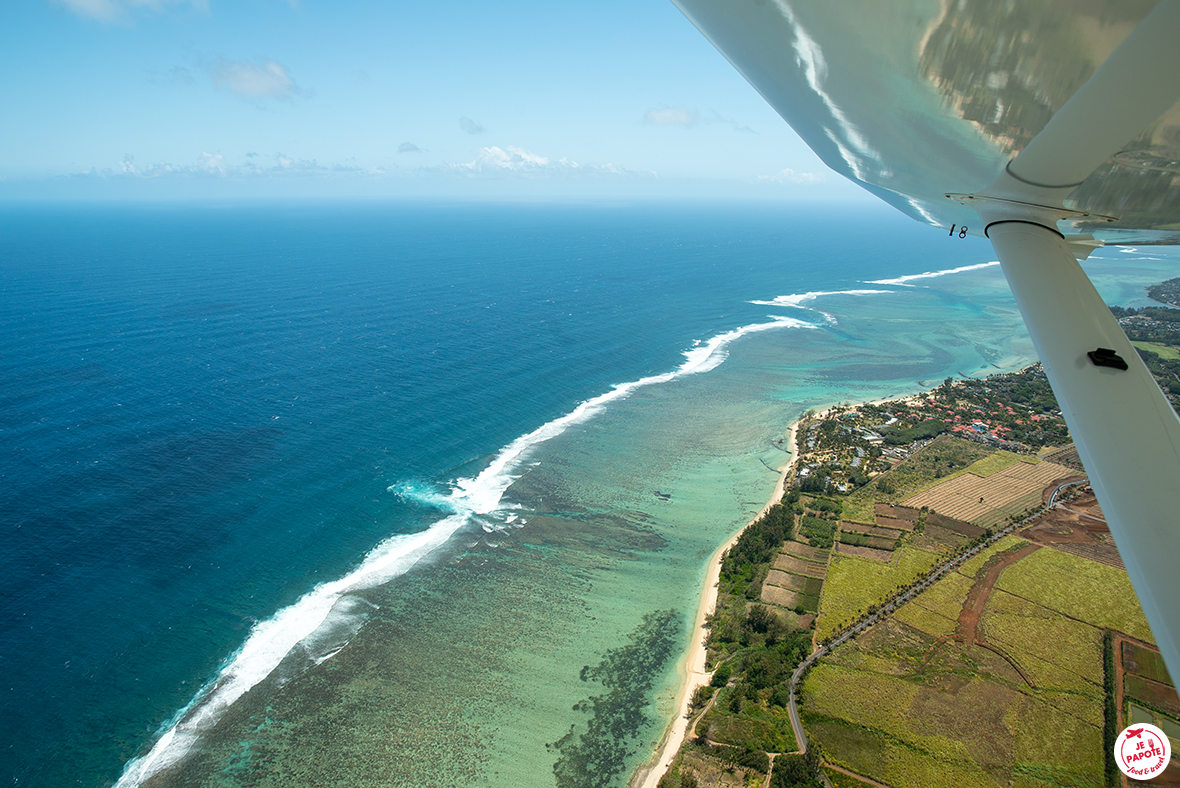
[1125,430]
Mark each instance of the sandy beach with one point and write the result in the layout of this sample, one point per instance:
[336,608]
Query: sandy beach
[694,672]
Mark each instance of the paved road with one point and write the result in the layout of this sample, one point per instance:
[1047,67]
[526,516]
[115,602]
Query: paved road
[1061,488]
[860,626]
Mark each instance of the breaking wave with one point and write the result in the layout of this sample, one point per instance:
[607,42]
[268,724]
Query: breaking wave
[905,280]
[319,624]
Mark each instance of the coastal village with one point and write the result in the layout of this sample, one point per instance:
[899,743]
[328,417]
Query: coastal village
[935,601]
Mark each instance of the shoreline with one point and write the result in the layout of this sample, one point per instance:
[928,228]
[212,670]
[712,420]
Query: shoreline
[694,674]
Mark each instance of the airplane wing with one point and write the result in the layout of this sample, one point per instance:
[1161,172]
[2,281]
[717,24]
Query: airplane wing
[1048,127]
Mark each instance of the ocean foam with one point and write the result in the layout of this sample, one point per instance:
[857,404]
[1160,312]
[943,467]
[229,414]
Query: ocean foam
[270,641]
[796,299]
[904,280]
[321,621]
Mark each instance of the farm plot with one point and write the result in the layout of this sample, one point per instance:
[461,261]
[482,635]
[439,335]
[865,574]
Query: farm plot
[870,530]
[969,497]
[1014,508]
[1021,626]
[782,597]
[871,553]
[936,610]
[1067,455]
[1153,693]
[799,566]
[858,507]
[896,523]
[1000,461]
[792,582]
[1097,594]
[926,620]
[943,458]
[919,730]
[938,539]
[855,583]
[1144,662]
[964,717]
[971,566]
[877,756]
[858,696]
[951,524]
[806,551]
[1064,748]
[864,540]
[896,512]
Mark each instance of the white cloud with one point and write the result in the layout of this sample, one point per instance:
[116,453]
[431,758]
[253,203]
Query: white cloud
[211,163]
[680,116]
[491,162]
[470,126]
[672,116]
[290,164]
[215,165]
[408,147]
[206,164]
[117,10]
[511,160]
[790,176]
[255,80]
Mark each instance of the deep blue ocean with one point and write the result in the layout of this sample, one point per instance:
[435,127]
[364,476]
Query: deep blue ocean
[208,411]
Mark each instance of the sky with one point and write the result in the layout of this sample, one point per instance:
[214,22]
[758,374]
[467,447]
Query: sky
[158,99]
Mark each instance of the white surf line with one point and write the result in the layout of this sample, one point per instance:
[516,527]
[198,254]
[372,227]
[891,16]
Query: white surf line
[796,299]
[270,641]
[905,280]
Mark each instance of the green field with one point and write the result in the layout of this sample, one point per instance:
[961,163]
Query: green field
[905,705]
[1058,744]
[859,696]
[931,622]
[1150,664]
[905,730]
[936,610]
[946,597]
[1097,594]
[972,565]
[876,755]
[854,584]
[997,462]
[1021,627]
[858,507]
[812,586]
[1049,678]
[1163,351]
